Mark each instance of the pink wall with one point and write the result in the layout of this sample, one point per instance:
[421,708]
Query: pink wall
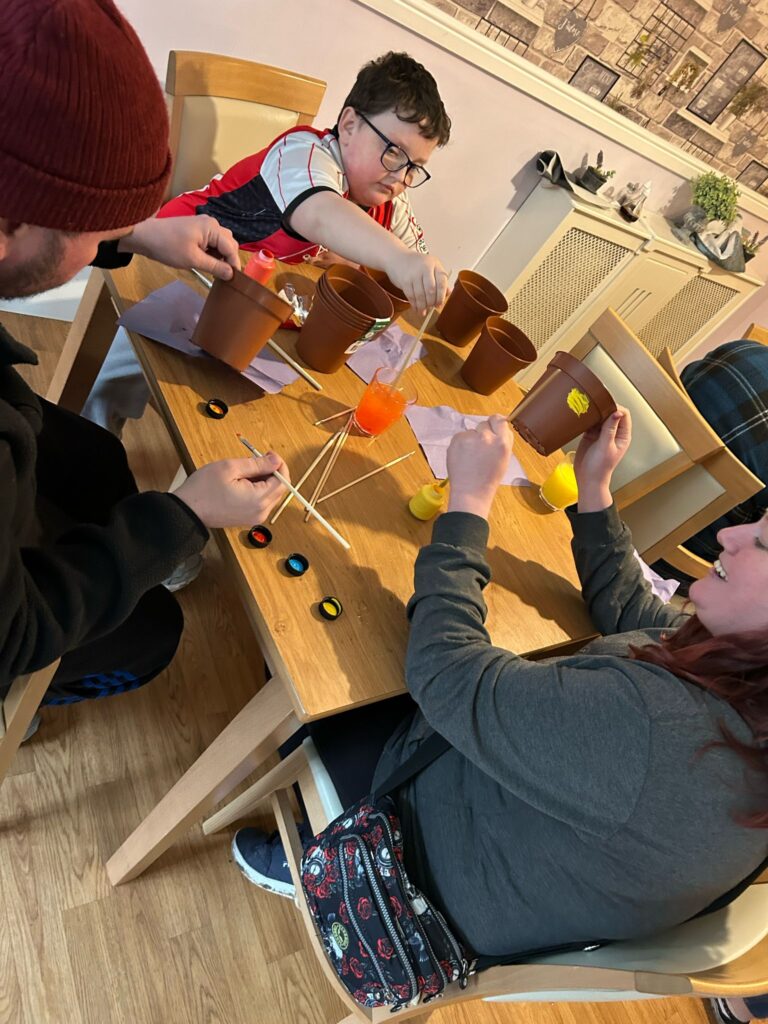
[485,172]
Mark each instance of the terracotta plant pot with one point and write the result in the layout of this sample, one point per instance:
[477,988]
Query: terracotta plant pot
[469,305]
[501,351]
[565,402]
[344,315]
[399,301]
[355,293]
[238,319]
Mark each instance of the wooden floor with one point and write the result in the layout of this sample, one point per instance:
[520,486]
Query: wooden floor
[190,941]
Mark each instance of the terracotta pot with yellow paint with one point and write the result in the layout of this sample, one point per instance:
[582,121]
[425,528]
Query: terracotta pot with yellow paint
[567,400]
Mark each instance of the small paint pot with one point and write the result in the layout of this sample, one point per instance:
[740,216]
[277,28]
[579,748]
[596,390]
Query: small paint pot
[216,408]
[296,564]
[259,536]
[330,608]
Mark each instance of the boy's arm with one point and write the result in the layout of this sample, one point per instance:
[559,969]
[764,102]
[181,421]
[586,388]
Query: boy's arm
[338,224]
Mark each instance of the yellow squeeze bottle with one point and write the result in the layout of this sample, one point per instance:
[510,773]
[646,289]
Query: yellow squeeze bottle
[427,502]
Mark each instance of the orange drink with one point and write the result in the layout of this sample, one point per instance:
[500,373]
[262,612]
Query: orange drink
[383,402]
[559,489]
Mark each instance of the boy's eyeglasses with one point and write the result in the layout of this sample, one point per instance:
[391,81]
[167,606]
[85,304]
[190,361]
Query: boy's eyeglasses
[394,158]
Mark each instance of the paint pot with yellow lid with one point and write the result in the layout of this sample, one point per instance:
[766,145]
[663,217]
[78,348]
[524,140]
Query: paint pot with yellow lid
[427,502]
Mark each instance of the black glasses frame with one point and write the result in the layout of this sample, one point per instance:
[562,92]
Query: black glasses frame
[407,163]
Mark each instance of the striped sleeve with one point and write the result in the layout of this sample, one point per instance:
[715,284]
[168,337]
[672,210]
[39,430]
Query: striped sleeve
[298,165]
[404,224]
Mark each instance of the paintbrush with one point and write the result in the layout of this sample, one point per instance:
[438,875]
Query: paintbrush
[299,497]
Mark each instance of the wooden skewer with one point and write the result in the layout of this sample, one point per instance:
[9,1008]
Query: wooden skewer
[299,497]
[365,476]
[296,366]
[334,417]
[289,497]
[272,344]
[412,349]
[340,440]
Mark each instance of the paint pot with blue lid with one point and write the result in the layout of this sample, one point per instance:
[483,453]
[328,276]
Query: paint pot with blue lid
[296,564]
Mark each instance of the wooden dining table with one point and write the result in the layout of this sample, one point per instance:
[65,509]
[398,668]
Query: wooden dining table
[318,667]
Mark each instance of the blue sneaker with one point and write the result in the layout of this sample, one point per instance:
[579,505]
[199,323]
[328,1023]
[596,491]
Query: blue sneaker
[261,858]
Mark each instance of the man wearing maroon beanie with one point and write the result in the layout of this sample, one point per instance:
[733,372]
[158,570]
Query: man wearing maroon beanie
[84,163]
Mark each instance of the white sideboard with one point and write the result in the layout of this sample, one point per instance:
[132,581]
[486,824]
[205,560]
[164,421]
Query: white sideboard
[562,260]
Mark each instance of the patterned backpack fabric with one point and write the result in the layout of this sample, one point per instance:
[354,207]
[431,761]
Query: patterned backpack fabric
[388,944]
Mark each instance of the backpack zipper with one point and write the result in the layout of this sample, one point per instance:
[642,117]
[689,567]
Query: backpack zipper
[464,966]
[384,912]
[345,886]
[413,895]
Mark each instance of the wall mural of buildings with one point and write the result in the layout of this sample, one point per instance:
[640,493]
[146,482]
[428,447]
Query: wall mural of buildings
[694,72]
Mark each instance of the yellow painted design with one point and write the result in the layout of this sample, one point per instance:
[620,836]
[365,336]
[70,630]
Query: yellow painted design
[577,401]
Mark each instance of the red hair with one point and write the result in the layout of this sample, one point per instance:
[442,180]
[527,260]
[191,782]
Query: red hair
[735,668]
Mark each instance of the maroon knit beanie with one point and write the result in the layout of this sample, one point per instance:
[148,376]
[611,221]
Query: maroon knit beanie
[83,124]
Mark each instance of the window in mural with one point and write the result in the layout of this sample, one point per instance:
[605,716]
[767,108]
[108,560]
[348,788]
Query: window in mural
[594,78]
[754,176]
[729,79]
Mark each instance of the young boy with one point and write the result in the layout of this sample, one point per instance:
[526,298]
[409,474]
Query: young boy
[344,189]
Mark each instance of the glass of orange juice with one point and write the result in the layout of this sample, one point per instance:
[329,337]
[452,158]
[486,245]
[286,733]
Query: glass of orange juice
[560,489]
[384,401]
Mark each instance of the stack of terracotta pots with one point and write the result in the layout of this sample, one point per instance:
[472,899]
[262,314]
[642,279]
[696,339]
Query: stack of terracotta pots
[349,308]
[399,301]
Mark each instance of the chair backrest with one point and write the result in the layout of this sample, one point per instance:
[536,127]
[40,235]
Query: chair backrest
[757,333]
[669,434]
[681,507]
[223,109]
[18,709]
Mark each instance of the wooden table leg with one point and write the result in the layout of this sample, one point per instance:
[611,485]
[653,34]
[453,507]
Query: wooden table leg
[266,721]
[86,346]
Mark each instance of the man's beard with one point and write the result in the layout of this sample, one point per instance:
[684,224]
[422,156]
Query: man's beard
[38,274]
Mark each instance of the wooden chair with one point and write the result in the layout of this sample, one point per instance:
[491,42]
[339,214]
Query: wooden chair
[18,710]
[725,953]
[679,509]
[669,434]
[223,109]
[757,333]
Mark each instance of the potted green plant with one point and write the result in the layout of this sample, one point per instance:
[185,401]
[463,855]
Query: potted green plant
[717,195]
[751,244]
[595,176]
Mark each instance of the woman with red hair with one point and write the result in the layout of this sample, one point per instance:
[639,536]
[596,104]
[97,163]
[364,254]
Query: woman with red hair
[603,795]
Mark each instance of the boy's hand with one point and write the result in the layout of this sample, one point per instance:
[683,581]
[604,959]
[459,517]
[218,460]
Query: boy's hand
[184,242]
[234,492]
[422,277]
[477,462]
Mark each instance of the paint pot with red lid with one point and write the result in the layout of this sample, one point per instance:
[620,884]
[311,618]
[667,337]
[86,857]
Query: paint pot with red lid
[261,266]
